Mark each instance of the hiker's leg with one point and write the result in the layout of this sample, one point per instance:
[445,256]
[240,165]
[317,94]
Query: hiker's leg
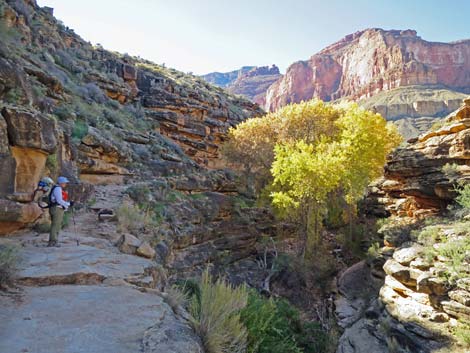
[57,215]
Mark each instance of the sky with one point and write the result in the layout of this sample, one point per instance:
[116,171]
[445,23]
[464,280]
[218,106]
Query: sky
[202,36]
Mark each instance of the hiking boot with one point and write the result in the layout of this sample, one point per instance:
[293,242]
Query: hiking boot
[51,244]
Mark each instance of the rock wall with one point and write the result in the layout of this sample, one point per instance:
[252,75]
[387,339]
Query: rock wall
[370,61]
[414,183]
[421,296]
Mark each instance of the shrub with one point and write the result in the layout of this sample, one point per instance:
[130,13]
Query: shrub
[14,95]
[130,218]
[457,262]
[450,170]
[9,260]
[80,129]
[93,92]
[438,124]
[463,197]
[51,163]
[274,326]
[216,316]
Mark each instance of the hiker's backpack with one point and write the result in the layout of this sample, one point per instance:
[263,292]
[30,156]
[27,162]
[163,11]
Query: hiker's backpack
[44,190]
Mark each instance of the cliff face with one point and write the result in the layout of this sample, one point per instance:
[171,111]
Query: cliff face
[415,183]
[419,280]
[224,79]
[254,84]
[250,81]
[370,61]
[96,116]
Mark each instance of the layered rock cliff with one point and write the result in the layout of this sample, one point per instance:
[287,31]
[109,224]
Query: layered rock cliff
[255,83]
[416,181]
[251,82]
[224,79]
[415,289]
[406,79]
[96,116]
[370,61]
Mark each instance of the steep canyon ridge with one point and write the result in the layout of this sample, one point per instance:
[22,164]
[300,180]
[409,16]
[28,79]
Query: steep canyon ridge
[133,135]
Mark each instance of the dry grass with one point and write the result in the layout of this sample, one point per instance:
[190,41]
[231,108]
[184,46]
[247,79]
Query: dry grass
[216,316]
[131,218]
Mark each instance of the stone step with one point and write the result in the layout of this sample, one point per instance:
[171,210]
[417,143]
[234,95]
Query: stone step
[94,318]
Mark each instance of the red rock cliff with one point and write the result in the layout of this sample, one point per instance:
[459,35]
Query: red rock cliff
[370,61]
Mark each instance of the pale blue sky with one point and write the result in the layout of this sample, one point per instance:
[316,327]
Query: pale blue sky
[221,35]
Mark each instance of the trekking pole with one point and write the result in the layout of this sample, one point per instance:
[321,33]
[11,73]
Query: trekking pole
[74,226]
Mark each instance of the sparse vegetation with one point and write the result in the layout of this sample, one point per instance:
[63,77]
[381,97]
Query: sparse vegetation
[450,170]
[130,218]
[452,251]
[9,260]
[52,163]
[176,298]
[463,197]
[462,333]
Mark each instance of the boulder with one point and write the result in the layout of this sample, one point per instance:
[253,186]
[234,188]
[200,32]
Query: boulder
[461,296]
[399,272]
[30,129]
[15,215]
[128,244]
[456,309]
[425,283]
[145,250]
[405,255]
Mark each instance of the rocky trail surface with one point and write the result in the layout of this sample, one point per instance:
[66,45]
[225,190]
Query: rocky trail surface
[87,296]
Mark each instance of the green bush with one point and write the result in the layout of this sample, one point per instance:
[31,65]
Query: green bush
[80,129]
[463,197]
[457,263]
[450,170]
[52,163]
[274,326]
[216,316]
[9,260]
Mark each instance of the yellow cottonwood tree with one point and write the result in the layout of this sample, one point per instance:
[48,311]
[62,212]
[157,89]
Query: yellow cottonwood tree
[312,150]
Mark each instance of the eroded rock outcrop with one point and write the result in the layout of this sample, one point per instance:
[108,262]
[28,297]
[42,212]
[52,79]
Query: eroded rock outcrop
[415,183]
[370,61]
[95,116]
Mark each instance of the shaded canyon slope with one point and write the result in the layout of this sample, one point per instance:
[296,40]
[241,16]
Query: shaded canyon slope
[97,116]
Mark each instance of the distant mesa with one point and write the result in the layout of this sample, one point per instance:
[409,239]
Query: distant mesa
[251,82]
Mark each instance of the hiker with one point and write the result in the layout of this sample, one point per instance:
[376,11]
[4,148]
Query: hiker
[58,204]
